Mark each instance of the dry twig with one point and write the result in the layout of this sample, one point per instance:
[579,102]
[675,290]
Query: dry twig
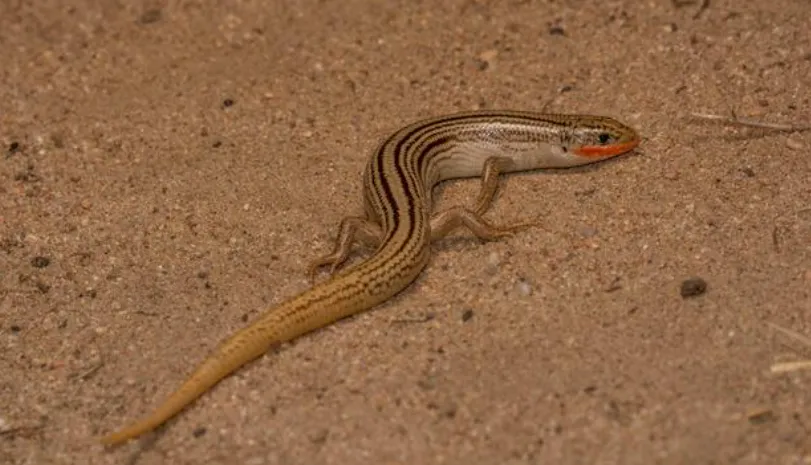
[749,122]
[792,334]
[784,367]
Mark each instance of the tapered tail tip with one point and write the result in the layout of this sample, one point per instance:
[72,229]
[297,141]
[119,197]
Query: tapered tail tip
[119,437]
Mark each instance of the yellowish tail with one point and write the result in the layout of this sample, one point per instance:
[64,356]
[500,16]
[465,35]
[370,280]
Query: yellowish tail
[243,347]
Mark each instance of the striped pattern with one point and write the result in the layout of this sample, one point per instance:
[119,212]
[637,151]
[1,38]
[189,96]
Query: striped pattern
[397,196]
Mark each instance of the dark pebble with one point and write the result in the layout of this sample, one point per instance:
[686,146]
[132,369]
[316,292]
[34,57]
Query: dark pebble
[692,287]
[40,262]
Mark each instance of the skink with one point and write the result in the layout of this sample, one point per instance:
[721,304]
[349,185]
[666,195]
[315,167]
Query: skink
[397,194]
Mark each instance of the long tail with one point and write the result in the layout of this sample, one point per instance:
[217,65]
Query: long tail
[242,347]
[342,295]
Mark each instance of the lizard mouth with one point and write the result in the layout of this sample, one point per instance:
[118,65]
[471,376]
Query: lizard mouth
[610,150]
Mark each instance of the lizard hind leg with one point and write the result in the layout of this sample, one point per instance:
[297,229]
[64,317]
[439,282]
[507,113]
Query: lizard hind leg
[352,229]
[444,222]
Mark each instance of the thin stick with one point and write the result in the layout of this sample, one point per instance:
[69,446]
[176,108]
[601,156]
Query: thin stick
[791,366]
[89,372]
[25,431]
[793,334]
[748,122]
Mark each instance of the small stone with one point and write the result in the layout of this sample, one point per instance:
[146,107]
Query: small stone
[42,287]
[151,16]
[493,263]
[199,431]
[758,416]
[524,288]
[486,59]
[692,287]
[794,144]
[467,315]
[40,262]
[556,30]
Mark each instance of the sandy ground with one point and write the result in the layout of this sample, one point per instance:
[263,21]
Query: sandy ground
[169,169]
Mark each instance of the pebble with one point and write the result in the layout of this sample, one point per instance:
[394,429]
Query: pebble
[487,58]
[493,263]
[692,287]
[794,144]
[524,288]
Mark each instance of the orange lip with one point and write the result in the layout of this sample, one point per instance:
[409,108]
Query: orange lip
[602,151]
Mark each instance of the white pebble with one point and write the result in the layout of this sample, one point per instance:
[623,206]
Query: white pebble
[524,288]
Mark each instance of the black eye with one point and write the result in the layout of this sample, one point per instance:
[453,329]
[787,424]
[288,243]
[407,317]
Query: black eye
[604,138]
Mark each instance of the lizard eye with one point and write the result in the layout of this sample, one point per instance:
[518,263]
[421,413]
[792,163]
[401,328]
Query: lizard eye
[604,137]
